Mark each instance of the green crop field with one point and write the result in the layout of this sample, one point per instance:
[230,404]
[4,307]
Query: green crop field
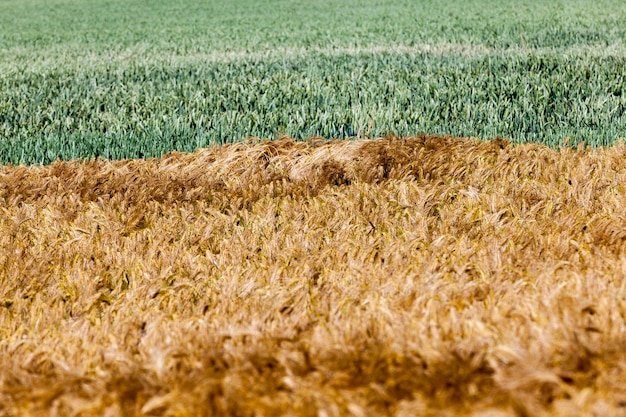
[128,79]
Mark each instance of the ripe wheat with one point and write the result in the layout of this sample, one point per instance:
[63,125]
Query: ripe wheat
[418,276]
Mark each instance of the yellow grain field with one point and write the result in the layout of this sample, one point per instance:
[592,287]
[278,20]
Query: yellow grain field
[426,276]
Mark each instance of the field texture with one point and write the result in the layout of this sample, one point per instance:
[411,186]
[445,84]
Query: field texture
[128,79]
[426,276]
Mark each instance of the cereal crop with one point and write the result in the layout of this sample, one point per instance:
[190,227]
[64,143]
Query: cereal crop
[130,79]
[421,276]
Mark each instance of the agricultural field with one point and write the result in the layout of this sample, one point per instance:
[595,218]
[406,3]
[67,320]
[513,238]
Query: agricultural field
[129,78]
[425,276]
[308,208]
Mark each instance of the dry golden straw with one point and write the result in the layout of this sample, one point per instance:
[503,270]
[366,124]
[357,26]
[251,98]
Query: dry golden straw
[427,276]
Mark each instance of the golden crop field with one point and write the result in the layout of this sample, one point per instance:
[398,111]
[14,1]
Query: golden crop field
[426,276]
